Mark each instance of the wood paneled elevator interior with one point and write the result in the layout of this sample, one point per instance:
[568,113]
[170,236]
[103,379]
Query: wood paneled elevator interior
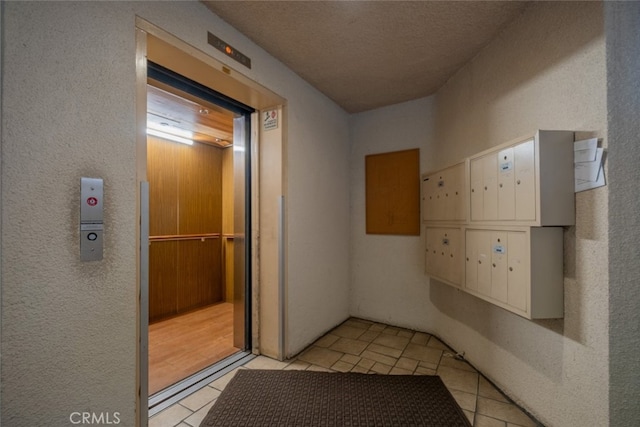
[186,227]
[191,213]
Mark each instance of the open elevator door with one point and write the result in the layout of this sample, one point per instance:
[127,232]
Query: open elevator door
[241,236]
[242,232]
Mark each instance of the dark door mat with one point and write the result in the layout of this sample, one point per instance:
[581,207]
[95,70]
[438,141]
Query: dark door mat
[313,399]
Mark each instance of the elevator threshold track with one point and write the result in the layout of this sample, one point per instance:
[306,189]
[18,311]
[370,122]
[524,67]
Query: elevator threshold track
[167,397]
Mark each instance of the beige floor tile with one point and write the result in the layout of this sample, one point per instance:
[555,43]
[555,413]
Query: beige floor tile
[428,365]
[408,364]
[406,333]
[342,366]
[436,343]
[457,379]
[387,360]
[196,418]
[183,424]
[422,353]
[484,421]
[320,356]
[381,368]
[200,398]
[358,323]
[486,389]
[297,365]
[346,331]
[326,340]
[387,351]
[263,362]
[391,330]
[421,370]
[470,416]
[504,411]
[348,345]
[399,371]
[170,417]
[465,400]
[420,338]
[377,327]
[451,362]
[393,341]
[360,370]
[350,358]
[222,382]
[369,336]
[366,363]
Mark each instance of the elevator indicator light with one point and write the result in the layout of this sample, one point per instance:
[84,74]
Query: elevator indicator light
[228,50]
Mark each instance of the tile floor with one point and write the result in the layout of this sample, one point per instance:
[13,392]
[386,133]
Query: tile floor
[368,347]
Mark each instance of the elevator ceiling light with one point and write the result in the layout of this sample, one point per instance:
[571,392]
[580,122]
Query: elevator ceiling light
[171,133]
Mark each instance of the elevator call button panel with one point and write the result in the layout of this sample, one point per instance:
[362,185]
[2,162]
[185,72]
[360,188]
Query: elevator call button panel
[91,219]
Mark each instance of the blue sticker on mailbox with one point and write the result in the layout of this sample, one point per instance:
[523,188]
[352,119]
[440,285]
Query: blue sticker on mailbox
[499,249]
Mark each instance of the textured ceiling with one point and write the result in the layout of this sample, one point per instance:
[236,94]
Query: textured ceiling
[368,54]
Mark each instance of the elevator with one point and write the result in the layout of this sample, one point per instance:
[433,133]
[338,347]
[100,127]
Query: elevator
[253,254]
[197,172]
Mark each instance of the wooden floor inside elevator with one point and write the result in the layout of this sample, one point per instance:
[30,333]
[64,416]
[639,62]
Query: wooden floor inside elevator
[185,344]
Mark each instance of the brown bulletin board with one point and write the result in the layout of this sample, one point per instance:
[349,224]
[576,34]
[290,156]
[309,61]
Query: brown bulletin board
[393,192]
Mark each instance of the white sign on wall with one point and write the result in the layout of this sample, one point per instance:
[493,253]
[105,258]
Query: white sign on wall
[588,162]
[270,119]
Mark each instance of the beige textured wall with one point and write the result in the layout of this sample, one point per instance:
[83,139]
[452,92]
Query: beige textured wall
[387,274]
[546,71]
[623,99]
[69,328]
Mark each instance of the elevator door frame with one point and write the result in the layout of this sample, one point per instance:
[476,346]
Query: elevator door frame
[156,44]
